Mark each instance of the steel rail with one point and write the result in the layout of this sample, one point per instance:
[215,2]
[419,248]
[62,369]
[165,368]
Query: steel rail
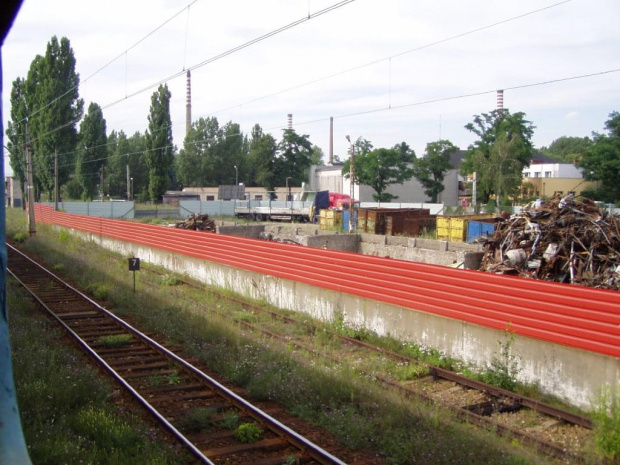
[317,453]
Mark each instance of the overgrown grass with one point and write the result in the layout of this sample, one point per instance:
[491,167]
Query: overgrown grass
[115,340]
[197,419]
[606,413]
[332,395]
[67,409]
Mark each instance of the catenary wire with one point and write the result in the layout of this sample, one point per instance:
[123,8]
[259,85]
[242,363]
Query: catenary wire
[389,58]
[233,50]
[111,61]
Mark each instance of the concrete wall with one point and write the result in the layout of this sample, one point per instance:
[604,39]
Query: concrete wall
[571,374]
[403,248]
[415,249]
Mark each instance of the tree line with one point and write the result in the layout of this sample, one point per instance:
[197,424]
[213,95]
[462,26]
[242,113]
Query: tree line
[92,163]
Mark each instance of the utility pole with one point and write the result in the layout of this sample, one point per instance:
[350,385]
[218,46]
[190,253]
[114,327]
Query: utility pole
[352,182]
[32,227]
[56,196]
[128,184]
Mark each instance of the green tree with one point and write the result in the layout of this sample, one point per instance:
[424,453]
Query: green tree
[379,169]
[194,166]
[294,158]
[602,161]
[317,155]
[431,168]
[126,154]
[491,127]
[16,131]
[92,152]
[407,154]
[262,159]
[227,153]
[569,149]
[54,108]
[159,148]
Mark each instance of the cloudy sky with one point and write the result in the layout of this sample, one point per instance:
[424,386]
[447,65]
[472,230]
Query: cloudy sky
[388,71]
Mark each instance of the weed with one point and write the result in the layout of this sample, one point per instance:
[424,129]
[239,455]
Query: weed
[99,291]
[291,460]
[405,372]
[230,420]
[63,236]
[606,415]
[247,317]
[96,423]
[503,370]
[115,340]
[156,381]
[197,419]
[174,378]
[170,280]
[248,432]
[20,237]
[58,267]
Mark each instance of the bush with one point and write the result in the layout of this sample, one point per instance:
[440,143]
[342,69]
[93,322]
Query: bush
[20,237]
[248,432]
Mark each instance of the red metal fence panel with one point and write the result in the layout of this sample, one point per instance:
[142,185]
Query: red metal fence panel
[575,316]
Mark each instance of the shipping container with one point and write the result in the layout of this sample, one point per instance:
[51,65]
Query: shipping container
[345,220]
[329,219]
[479,228]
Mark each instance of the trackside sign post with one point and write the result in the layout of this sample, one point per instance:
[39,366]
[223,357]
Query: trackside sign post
[134,265]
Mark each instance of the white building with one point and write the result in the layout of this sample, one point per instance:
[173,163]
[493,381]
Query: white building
[323,177]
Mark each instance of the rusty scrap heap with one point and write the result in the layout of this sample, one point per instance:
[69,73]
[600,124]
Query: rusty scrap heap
[563,239]
[197,223]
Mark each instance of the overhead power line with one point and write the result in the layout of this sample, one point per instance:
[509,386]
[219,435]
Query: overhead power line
[111,61]
[455,97]
[236,49]
[388,58]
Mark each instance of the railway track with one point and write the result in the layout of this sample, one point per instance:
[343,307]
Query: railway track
[551,430]
[232,430]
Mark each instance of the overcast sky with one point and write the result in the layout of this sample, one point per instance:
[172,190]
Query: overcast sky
[386,70]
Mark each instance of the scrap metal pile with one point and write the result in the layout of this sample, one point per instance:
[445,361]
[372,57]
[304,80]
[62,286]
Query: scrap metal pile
[563,239]
[197,223]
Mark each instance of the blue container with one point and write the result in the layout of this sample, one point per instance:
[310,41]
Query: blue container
[476,229]
[345,220]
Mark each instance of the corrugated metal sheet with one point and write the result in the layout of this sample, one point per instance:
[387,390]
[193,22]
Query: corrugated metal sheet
[575,316]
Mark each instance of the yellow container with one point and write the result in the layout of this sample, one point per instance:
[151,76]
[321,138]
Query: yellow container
[443,228]
[458,229]
[330,219]
[451,228]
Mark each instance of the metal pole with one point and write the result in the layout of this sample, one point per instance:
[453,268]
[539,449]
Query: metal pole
[32,227]
[352,183]
[56,180]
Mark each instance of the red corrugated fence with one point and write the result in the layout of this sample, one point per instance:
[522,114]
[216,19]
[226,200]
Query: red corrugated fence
[575,316]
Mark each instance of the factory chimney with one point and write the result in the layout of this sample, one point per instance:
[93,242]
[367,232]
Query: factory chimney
[500,100]
[289,118]
[188,105]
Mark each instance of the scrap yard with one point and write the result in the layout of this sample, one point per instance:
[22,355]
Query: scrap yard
[563,240]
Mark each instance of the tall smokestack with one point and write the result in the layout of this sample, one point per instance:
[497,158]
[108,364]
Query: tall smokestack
[500,100]
[188,105]
[330,162]
[289,118]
